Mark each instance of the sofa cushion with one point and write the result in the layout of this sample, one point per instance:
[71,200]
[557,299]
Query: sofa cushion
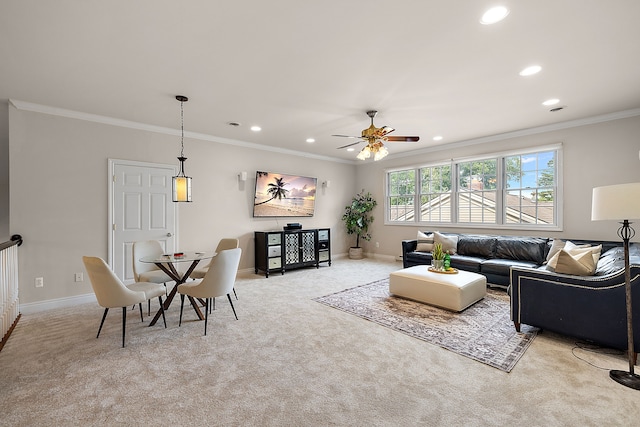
[466,263]
[449,242]
[521,249]
[425,242]
[478,246]
[502,267]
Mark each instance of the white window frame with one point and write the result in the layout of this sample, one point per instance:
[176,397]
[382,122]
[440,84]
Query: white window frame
[501,192]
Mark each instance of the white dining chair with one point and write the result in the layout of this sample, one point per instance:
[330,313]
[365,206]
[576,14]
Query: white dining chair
[223,245]
[111,292]
[146,271]
[218,281]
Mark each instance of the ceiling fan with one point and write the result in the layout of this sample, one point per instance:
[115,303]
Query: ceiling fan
[375,138]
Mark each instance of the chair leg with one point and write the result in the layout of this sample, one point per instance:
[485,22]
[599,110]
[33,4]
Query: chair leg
[232,307]
[206,314]
[141,318]
[234,293]
[181,307]
[149,307]
[104,316]
[124,322]
[162,309]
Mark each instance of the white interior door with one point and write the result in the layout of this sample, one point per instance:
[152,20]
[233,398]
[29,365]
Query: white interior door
[142,209]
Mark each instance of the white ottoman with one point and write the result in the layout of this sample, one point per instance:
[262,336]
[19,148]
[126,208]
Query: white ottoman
[451,291]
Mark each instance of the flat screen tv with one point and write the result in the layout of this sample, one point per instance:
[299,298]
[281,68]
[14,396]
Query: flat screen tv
[280,195]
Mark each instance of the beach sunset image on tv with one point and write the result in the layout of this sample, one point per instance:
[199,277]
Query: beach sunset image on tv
[284,195]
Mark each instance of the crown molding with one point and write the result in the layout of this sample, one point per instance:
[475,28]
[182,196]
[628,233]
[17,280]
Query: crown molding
[525,132]
[62,112]
[111,121]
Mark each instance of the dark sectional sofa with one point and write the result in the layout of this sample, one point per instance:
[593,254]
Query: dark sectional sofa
[590,308]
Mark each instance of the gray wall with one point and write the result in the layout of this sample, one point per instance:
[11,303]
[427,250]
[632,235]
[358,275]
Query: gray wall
[5,232]
[59,194]
[59,189]
[594,155]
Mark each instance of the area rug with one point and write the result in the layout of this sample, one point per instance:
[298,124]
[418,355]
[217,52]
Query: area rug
[482,332]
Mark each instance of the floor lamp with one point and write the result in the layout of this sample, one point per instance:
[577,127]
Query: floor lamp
[621,203]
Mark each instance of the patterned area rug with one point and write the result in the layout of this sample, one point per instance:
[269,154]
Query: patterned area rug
[483,332]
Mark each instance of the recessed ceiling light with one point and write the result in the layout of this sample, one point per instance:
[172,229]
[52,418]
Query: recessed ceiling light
[351,149]
[311,140]
[493,15]
[437,138]
[529,71]
[256,128]
[552,101]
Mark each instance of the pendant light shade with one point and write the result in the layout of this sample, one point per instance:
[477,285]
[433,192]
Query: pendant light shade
[181,182]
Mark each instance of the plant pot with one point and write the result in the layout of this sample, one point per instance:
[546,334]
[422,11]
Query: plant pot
[437,264]
[355,253]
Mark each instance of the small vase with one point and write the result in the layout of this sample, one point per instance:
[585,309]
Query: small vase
[437,264]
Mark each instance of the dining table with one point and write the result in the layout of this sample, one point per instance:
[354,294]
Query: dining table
[169,264]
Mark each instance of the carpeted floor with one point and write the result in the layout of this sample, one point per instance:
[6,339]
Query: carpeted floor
[483,332]
[290,361]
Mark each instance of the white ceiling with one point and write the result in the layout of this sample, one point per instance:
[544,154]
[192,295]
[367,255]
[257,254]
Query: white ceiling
[302,69]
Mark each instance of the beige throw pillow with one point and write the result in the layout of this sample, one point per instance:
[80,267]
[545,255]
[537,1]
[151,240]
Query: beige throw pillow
[572,248]
[556,247]
[449,243]
[579,263]
[425,242]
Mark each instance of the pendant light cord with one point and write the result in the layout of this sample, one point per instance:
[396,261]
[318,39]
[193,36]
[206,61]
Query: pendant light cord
[182,126]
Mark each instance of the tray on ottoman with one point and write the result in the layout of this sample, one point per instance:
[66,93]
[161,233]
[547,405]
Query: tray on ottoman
[451,291]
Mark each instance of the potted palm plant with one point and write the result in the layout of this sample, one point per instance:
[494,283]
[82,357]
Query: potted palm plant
[357,218]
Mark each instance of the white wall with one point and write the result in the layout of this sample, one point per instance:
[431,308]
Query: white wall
[59,194]
[594,155]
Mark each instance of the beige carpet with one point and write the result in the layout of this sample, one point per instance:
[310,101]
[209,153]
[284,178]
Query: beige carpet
[289,361]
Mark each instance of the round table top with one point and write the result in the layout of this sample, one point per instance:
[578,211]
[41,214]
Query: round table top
[178,257]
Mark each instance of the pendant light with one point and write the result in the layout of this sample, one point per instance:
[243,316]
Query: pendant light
[181,182]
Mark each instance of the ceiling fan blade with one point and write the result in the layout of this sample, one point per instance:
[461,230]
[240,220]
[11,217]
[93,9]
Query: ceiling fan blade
[386,130]
[349,145]
[346,136]
[403,138]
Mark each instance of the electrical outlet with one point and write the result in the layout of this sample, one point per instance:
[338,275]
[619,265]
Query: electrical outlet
[79,277]
[39,282]
[377,244]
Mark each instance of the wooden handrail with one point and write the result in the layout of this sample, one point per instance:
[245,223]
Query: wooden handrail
[16,239]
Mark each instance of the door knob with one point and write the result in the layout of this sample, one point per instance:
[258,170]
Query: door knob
[169,234]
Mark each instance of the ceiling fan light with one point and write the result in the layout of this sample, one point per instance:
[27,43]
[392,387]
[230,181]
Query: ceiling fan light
[381,153]
[364,154]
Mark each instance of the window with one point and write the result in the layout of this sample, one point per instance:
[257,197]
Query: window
[530,190]
[401,195]
[507,190]
[435,193]
[477,191]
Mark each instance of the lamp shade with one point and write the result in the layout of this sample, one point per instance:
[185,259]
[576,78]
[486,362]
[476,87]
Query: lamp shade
[616,202]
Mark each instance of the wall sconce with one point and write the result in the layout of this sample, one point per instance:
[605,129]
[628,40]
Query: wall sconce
[242,176]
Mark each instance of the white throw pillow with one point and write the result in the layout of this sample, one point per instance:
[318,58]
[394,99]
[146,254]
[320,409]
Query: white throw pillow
[425,242]
[567,246]
[579,263]
[449,243]
[556,247]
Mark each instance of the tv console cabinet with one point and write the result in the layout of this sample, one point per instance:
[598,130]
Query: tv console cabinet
[290,249]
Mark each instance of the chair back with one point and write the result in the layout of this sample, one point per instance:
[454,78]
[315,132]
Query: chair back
[110,291]
[221,276]
[143,249]
[227,243]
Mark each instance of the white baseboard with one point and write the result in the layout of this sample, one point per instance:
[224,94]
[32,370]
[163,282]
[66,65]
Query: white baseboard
[36,307]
